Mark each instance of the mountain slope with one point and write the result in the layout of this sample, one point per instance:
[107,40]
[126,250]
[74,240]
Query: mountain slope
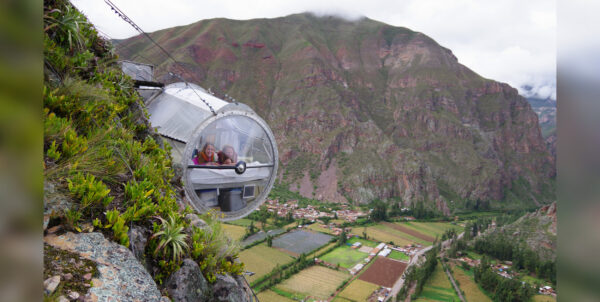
[363,110]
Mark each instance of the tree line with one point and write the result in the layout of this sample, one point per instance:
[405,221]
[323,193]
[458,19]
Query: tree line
[502,289]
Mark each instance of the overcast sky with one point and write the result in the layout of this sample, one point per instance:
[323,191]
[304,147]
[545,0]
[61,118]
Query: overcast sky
[506,40]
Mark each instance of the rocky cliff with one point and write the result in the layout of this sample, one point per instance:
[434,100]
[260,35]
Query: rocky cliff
[116,227]
[363,110]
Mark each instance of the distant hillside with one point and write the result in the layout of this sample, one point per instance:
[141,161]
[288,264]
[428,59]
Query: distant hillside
[537,230]
[362,110]
[546,111]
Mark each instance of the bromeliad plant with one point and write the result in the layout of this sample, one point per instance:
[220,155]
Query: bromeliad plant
[172,238]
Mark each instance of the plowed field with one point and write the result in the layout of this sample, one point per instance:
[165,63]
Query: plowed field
[384,272]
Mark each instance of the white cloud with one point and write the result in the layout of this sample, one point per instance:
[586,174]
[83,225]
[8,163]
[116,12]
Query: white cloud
[510,41]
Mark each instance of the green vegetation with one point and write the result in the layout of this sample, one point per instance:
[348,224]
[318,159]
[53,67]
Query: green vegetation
[421,274]
[502,289]
[438,287]
[344,256]
[472,291]
[363,241]
[273,296]
[100,150]
[172,239]
[398,255]
[261,260]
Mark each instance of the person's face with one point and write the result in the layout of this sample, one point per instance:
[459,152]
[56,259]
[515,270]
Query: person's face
[229,152]
[210,150]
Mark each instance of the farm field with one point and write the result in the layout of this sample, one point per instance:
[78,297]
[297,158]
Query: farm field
[533,280]
[314,253]
[358,290]
[363,241]
[543,298]
[381,236]
[410,231]
[260,236]
[261,259]
[398,256]
[384,233]
[301,241]
[383,271]
[431,228]
[438,288]
[244,222]
[316,281]
[318,228]
[271,296]
[468,285]
[344,256]
[233,231]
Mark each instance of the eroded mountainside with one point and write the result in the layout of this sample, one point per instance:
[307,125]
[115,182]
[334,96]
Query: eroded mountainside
[363,110]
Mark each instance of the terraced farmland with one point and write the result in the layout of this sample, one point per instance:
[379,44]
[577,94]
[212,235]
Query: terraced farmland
[344,256]
[261,259]
[438,288]
[358,290]
[316,281]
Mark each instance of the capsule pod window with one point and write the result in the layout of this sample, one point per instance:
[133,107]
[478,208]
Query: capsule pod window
[230,163]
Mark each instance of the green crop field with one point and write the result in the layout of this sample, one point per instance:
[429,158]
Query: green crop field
[316,281]
[432,229]
[271,296]
[319,251]
[344,256]
[468,286]
[244,222]
[398,255]
[438,287]
[261,259]
[358,290]
[233,231]
[380,235]
[363,241]
[533,280]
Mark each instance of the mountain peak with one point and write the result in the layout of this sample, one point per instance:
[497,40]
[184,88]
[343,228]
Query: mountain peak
[364,110]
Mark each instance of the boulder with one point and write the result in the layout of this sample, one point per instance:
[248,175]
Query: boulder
[227,288]
[51,284]
[188,283]
[195,220]
[120,276]
[138,237]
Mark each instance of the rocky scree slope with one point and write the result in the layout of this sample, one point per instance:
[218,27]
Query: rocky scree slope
[363,110]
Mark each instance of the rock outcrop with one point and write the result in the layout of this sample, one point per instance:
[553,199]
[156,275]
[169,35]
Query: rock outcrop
[121,276]
[188,284]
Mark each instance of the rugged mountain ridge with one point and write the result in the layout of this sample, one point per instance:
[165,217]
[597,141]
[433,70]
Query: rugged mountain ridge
[363,110]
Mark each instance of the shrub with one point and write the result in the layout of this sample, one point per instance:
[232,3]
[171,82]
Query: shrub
[172,239]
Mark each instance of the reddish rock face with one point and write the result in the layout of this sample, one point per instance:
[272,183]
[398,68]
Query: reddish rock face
[362,110]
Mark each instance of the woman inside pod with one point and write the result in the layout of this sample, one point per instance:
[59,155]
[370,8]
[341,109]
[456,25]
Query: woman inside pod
[207,156]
